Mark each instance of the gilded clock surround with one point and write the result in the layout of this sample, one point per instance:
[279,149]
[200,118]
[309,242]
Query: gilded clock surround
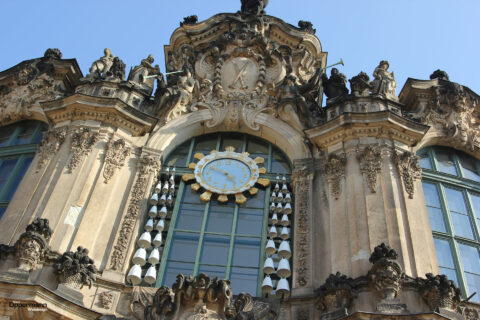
[210,187]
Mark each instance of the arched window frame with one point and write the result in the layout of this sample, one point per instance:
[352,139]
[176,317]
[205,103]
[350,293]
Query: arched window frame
[274,157]
[18,144]
[447,182]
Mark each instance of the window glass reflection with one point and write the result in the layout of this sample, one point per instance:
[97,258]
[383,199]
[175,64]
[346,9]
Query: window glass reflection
[244,280]
[433,206]
[445,161]
[425,161]
[178,158]
[469,166]
[184,247]
[205,144]
[233,140]
[246,252]
[250,221]
[215,249]
[220,217]
[444,253]
[470,258]
[175,268]
[212,271]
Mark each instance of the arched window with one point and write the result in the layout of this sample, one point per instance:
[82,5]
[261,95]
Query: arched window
[224,240]
[451,184]
[18,143]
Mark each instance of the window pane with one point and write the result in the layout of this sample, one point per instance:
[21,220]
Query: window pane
[436,219]
[173,269]
[25,135]
[18,179]
[425,161]
[461,225]
[455,200]
[220,217]
[184,247]
[2,211]
[244,280]
[476,207]
[212,271]
[215,249]
[444,254]
[190,216]
[178,157]
[470,258]
[246,252]
[473,283]
[279,163]
[431,194]
[256,201]
[205,144]
[257,148]
[6,168]
[234,140]
[469,167]
[250,221]
[445,161]
[5,134]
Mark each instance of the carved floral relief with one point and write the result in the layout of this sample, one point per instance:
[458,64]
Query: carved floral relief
[114,157]
[147,165]
[335,171]
[82,143]
[370,165]
[409,170]
[50,144]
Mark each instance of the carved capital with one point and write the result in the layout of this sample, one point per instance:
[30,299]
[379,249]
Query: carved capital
[115,157]
[409,169]
[82,142]
[370,165]
[50,144]
[335,170]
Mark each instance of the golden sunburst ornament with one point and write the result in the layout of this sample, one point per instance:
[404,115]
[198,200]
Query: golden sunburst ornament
[226,173]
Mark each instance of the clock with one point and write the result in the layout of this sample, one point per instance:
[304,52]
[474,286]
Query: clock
[226,173]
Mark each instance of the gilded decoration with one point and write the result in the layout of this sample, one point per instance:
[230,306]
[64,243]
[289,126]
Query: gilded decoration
[302,179]
[147,165]
[82,143]
[115,157]
[409,170]
[50,144]
[370,165]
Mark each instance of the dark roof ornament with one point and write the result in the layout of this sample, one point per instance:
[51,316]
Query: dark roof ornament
[306,26]
[53,53]
[253,7]
[193,19]
[439,74]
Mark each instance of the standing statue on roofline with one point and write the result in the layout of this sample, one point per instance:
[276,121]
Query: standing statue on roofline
[253,7]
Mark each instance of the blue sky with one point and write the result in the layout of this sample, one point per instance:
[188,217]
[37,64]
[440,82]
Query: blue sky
[417,37]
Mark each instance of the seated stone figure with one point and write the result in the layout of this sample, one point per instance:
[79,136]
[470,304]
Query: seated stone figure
[253,6]
[177,98]
[384,82]
[100,67]
[334,87]
[141,74]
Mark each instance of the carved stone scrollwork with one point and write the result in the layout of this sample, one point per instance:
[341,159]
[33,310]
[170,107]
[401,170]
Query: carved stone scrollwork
[76,269]
[199,297]
[50,144]
[115,157]
[147,165]
[302,181]
[335,171]
[440,293]
[409,169]
[83,140]
[370,165]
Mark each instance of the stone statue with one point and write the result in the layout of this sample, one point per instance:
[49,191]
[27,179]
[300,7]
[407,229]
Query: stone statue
[177,98]
[117,70]
[255,7]
[334,87]
[141,74]
[53,53]
[100,67]
[360,85]
[439,74]
[306,26]
[384,81]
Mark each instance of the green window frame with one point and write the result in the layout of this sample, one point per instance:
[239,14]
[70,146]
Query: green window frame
[451,185]
[18,143]
[218,239]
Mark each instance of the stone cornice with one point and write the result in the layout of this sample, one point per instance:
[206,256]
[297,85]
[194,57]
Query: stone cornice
[106,110]
[381,124]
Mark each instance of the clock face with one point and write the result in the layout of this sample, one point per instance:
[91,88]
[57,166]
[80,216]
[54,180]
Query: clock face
[226,172]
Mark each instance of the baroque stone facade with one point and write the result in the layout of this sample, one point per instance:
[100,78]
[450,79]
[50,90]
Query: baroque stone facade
[356,240]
